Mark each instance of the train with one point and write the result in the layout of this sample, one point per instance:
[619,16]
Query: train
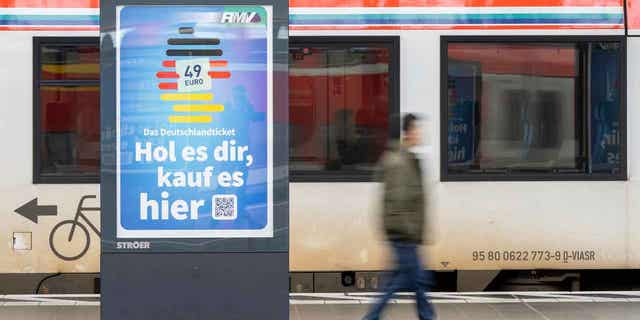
[526,108]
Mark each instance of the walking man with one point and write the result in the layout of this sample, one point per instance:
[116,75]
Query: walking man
[403,219]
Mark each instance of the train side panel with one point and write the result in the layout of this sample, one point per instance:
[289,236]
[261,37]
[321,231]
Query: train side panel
[335,226]
[633,147]
[16,185]
[474,225]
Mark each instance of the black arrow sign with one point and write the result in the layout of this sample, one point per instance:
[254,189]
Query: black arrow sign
[31,210]
[445,263]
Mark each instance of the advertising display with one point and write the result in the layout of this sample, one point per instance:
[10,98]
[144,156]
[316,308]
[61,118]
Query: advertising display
[194,116]
[194,184]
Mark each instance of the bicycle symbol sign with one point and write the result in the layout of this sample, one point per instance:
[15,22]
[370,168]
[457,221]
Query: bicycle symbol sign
[74,240]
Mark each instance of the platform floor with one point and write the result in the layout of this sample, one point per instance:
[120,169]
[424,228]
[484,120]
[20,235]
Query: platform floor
[449,306]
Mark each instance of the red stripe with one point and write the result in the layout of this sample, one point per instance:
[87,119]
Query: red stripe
[219,74]
[168,86]
[167,75]
[218,63]
[212,74]
[460,27]
[633,14]
[212,63]
[50,4]
[349,3]
[453,3]
[169,63]
[48,28]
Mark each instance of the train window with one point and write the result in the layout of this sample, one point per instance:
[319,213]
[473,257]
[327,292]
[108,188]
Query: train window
[342,93]
[533,108]
[66,110]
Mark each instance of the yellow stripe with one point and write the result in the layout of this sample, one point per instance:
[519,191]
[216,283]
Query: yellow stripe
[198,108]
[186,97]
[190,119]
[81,68]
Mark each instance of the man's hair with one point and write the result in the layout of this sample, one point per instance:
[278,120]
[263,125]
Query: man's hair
[408,121]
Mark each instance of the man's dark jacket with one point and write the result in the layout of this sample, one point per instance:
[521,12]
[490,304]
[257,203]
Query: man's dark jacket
[403,200]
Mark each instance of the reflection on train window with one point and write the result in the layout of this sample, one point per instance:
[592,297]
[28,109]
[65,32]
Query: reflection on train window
[340,100]
[69,62]
[67,111]
[545,109]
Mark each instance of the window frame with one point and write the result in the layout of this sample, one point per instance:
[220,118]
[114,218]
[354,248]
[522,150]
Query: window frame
[38,43]
[445,176]
[393,44]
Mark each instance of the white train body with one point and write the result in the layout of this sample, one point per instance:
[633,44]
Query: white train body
[334,225]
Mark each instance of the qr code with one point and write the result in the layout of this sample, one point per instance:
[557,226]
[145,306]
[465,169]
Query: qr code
[225,207]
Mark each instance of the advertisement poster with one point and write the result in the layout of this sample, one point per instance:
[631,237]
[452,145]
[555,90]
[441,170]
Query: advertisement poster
[194,115]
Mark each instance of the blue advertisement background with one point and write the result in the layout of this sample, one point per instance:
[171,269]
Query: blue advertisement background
[144,34]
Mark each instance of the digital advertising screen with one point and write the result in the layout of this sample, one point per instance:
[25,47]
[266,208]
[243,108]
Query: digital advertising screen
[194,116]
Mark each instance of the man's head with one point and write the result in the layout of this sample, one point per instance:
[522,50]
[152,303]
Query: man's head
[411,134]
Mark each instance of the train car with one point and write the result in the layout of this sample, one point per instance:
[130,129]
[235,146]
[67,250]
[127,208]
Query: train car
[526,109]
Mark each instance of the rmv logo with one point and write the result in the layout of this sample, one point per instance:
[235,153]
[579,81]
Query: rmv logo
[240,17]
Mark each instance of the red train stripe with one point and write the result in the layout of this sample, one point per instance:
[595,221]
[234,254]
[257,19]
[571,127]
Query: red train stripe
[50,4]
[459,27]
[350,3]
[49,28]
[633,14]
[168,86]
[453,3]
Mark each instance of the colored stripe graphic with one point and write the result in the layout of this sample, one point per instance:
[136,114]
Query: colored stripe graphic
[452,19]
[198,108]
[168,86]
[193,53]
[362,15]
[219,74]
[186,96]
[212,63]
[451,3]
[459,27]
[190,119]
[43,20]
[167,75]
[193,41]
[52,17]
[212,74]
[49,18]
[49,28]
[218,63]
[633,16]
[346,3]
[454,10]
[50,4]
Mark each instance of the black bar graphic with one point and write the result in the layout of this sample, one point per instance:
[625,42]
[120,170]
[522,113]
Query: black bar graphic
[193,41]
[185,30]
[192,52]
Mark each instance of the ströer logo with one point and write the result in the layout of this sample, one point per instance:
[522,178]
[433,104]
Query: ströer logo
[133,245]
